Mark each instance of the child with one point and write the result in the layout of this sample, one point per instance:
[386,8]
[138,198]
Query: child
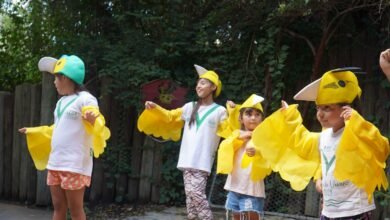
[65,148]
[245,166]
[384,62]
[202,120]
[351,151]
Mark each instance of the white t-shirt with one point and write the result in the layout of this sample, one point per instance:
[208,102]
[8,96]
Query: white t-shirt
[71,146]
[200,141]
[239,180]
[341,199]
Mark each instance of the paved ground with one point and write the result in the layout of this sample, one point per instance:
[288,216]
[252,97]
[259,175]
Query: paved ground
[18,212]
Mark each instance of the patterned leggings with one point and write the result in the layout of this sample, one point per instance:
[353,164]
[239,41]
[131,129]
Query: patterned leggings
[195,188]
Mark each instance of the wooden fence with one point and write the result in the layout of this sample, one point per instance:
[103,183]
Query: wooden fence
[33,105]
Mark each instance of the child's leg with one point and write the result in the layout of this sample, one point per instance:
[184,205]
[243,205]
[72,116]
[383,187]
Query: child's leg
[75,200]
[195,186]
[252,216]
[58,198]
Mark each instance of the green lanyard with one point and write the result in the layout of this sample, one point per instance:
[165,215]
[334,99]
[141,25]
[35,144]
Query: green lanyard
[61,111]
[199,121]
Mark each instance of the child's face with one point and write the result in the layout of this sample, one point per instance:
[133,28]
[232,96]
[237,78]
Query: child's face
[63,84]
[329,116]
[204,88]
[250,118]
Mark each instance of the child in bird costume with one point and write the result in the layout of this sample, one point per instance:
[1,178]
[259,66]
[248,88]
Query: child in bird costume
[347,158]
[246,166]
[66,147]
[202,120]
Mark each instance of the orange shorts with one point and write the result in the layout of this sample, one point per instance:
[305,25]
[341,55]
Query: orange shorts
[67,180]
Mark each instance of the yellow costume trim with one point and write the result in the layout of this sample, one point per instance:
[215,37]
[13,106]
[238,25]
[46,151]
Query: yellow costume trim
[230,124]
[260,166]
[39,145]
[361,155]
[226,151]
[160,122]
[289,147]
[100,133]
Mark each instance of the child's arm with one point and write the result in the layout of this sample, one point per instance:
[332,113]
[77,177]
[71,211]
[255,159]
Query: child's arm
[95,124]
[226,150]
[288,146]
[361,155]
[39,144]
[159,122]
[384,62]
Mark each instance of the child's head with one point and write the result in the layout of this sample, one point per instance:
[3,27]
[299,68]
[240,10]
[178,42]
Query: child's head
[251,113]
[335,89]
[250,118]
[69,72]
[208,83]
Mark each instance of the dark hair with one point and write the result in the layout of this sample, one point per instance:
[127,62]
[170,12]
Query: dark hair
[243,110]
[194,111]
[197,105]
[77,87]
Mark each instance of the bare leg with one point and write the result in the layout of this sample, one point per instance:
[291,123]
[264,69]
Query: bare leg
[58,198]
[75,200]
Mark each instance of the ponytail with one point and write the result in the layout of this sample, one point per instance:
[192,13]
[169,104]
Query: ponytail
[194,111]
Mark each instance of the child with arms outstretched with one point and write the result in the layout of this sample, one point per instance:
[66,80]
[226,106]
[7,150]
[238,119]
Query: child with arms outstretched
[347,157]
[245,166]
[202,120]
[66,148]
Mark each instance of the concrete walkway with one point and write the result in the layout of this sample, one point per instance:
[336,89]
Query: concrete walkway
[17,212]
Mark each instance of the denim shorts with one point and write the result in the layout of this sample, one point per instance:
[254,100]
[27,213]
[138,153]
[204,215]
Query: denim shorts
[237,202]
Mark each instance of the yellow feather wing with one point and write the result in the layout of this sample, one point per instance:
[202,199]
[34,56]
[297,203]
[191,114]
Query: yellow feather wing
[361,155]
[162,123]
[288,147]
[39,145]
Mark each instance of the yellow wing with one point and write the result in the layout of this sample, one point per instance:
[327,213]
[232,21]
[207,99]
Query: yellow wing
[260,166]
[39,145]
[100,133]
[231,123]
[226,150]
[160,122]
[289,147]
[361,155]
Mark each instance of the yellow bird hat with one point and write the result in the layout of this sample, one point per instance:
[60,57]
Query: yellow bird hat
[335,86]
[210,75]
[254,101]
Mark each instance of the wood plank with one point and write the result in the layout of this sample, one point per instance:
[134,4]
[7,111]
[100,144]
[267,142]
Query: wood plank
[35,118]
[312,201]
[48,103]
[8,140]
[157,170]
[4,96]
[145,183]
[96,190]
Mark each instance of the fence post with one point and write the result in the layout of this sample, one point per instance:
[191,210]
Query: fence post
[23,177]
[48,103]
[6,131]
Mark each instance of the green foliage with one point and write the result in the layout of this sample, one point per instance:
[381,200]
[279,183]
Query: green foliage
[264,47]
[172,187]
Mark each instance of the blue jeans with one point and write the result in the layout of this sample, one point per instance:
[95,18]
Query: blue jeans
[237,202]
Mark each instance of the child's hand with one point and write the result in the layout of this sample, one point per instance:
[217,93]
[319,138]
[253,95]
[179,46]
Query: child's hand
[319,185]
[384,62]
[90,116]
[284,105]
[231,104]
[22,130]
[346,113]
[150,105]
[250,151]
[245,135]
